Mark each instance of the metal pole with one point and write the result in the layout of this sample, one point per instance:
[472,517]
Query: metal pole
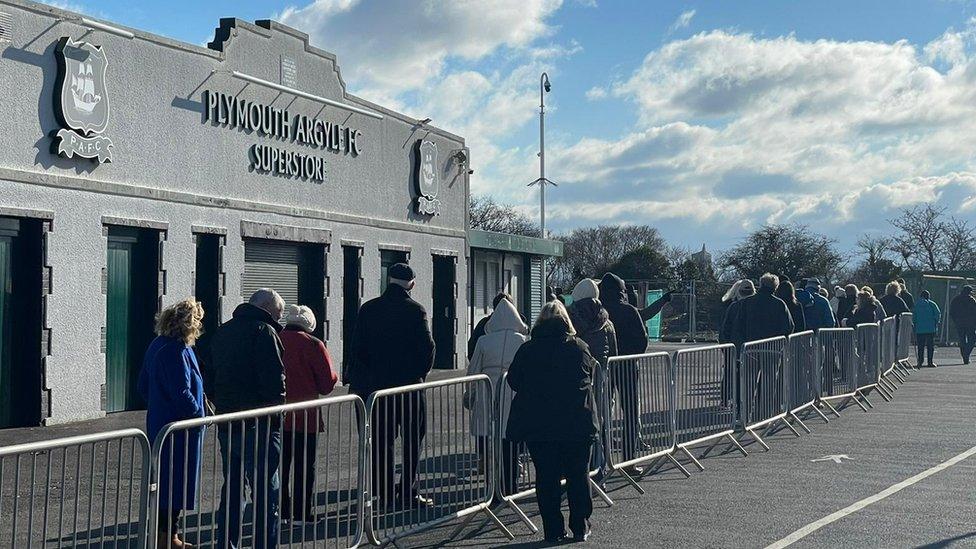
[542,170]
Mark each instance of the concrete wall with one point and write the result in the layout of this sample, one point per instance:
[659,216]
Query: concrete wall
[174,170]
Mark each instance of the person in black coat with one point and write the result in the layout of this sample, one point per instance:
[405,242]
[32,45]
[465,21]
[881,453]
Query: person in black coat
[905,295]
[845,306]
[865,311]
[763,315]
[787,293]
[479,328]
[631,340]
[892,302]
[391,347]
[962,310]
[733,298]
[554,413]
[246,372]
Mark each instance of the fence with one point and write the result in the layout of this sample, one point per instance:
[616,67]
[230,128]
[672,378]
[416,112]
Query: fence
[639,424]
[515,472]
[837,355]
[903,356]
[887,363]
[77,491]
[762,387]
[445,472]
[868,361]
[301,461]
[705,398]
[802,376]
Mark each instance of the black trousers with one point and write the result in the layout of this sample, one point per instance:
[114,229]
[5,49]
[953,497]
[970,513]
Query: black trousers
[298,448]
[553,462]
[170,521]
[967,341]
[509,463]
[404,416]
[624,380]
[925,342]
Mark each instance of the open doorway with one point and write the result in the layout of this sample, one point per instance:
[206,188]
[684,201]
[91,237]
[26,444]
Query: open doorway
[132,301]
[444,314]
[352,298]
[20,322]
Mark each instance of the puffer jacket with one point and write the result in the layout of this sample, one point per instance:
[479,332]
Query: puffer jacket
[592,324]
[493,354]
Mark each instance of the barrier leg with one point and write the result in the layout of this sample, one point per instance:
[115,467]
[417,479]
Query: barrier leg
[678,464]
[882,390]
[601,493]
[521,515]
[830,407]
[789,425]
[632,482]
[823,416]
[693,459]
[797,419]
[856,401]
[737,445]
[864,397]
[498,524]
[758,439]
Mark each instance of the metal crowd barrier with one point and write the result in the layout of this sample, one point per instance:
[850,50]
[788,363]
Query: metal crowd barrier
[802,376]
[888,361]
[639,423]
[868,360]
[245,456]
[762,387]
[705,398]
[423,431]
[903,354]
[515,471]
[837,355]
[77,491]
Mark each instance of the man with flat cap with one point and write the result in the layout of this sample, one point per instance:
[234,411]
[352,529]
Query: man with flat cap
[392,347]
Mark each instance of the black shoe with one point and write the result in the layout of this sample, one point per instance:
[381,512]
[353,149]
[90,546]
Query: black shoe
[583,536]
[555,539]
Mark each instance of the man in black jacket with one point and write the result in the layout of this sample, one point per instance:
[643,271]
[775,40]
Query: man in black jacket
[631,340]
[246,372]
[962,310]
[763,315]
[392,347]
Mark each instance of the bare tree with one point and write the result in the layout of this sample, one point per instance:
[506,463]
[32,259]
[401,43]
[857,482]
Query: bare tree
[488,215]
[590,251]
[929,241]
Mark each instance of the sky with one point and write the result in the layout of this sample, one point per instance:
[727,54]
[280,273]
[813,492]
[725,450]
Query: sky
[704,119]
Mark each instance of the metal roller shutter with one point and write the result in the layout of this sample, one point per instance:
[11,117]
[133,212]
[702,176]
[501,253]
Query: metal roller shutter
[536,291]
[271,264]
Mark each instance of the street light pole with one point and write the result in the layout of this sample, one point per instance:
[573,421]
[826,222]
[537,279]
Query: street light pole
[544,87]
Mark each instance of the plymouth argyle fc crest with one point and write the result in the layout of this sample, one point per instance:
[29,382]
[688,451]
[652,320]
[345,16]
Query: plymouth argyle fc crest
[81,102]
[426,177]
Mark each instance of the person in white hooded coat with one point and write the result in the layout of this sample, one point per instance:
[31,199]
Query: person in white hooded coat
[493,354]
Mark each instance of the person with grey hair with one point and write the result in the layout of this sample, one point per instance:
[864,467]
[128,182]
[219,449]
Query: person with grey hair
[740,290]
[763,315]
[246,372]
[391,347]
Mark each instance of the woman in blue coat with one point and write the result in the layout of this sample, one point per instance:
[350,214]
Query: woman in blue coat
[172,387]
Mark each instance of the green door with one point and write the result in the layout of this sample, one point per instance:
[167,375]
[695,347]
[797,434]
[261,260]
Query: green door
[121,251]
[6,329]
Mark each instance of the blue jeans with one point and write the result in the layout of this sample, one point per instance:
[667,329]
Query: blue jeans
[249,453]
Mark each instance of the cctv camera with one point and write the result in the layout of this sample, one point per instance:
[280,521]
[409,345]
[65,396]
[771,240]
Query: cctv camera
[547,86]
[470,172]
[461,157]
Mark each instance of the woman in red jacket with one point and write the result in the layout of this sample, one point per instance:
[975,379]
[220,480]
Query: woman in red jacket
[308,374]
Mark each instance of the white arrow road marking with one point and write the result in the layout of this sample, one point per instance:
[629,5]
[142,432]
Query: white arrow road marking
[814,526]
[836,458]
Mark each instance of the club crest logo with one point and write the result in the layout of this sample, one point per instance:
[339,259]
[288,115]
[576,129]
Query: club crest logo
[426,179]
[81,101]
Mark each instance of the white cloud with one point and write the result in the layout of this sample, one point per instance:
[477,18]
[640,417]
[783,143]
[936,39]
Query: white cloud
[734,130]
[682,21]
[399,45]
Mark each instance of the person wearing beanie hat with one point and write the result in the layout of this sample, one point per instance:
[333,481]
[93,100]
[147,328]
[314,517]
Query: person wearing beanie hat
[391,347]
[962,311]
[309,374]
[593,326]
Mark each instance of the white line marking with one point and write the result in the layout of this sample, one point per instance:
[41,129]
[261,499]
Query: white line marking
[855,507]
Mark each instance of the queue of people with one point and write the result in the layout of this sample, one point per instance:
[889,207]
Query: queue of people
[555,371]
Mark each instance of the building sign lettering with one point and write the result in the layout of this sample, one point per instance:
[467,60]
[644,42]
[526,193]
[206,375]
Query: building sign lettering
[276,123]
[81,101]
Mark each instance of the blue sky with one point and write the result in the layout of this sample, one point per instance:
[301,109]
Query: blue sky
[705,119]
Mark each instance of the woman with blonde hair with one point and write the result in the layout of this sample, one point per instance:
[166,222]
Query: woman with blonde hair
[172,387]
[554,412]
